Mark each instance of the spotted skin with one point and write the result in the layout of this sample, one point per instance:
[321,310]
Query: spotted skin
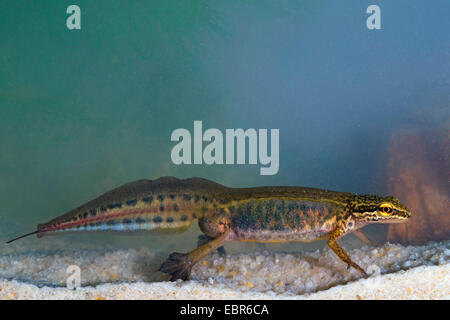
[262,214]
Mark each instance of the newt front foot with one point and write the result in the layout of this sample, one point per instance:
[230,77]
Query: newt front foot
[332,243]
[361,270]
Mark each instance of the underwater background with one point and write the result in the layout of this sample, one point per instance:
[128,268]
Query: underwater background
[84,111]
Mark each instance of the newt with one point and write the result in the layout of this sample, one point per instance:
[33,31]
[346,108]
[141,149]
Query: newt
[261,214]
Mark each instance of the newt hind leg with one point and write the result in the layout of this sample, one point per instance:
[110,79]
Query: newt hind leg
[179,265]
[203,239]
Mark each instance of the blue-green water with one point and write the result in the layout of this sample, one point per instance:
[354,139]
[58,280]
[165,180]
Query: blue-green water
[84,111]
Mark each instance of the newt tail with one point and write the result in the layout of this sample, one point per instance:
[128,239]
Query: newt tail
[262,214]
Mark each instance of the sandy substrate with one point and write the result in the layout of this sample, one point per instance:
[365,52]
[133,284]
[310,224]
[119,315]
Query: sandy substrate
[430,282]
[398,272]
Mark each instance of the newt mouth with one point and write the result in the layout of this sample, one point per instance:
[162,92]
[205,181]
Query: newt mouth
[393,221]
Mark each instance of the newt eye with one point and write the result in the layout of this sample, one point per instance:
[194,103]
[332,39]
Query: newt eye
[385,209]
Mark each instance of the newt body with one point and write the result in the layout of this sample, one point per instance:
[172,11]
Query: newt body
[262,214]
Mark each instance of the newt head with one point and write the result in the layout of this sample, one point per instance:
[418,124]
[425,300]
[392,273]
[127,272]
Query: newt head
[376,209]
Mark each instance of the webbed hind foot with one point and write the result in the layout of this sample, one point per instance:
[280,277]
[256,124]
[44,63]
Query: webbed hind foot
[178,266]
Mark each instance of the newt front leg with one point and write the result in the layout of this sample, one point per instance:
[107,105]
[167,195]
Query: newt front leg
[334,245]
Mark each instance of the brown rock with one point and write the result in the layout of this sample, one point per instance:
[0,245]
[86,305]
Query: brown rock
[419,175]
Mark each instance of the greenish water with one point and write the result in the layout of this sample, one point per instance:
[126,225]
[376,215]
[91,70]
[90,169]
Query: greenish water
[84,111]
